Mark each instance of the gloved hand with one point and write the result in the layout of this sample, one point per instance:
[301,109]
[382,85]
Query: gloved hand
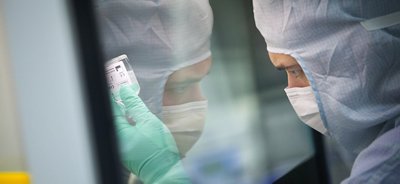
[147,149]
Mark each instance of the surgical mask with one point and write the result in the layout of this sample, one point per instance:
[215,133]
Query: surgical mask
[186,123]
[306,108]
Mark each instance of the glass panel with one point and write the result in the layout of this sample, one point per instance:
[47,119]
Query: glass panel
[339,163]
[211,84]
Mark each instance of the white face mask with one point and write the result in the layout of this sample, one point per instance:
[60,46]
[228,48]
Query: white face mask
[306,108]
[186,123]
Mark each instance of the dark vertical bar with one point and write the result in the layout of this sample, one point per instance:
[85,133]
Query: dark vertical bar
[322,167]
[94,81]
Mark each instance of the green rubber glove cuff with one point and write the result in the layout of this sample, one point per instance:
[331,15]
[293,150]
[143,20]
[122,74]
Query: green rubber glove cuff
[176,175]
[158,166]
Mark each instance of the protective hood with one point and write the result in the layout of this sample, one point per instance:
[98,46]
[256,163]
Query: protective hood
[354,69]
[158,36]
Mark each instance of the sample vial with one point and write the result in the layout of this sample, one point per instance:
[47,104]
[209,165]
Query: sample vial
[119,72]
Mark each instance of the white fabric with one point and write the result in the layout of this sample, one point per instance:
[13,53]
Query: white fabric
[158,36]
[186,123]
[306,108]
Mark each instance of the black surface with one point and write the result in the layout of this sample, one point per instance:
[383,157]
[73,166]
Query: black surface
[97,97]
[304,173]
[320,157]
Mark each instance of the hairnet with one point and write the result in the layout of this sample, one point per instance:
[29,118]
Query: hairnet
[158,36]
[354,72]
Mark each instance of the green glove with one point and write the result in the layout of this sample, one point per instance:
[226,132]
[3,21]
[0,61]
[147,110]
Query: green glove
[147,149]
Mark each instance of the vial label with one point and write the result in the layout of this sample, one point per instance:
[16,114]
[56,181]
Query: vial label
[117,75]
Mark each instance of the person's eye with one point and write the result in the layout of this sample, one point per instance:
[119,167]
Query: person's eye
[295,73]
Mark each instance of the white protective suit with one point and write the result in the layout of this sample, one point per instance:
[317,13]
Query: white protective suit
[353,65]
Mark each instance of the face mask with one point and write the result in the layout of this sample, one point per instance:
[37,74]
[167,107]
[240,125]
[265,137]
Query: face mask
[186,123]
[306,108]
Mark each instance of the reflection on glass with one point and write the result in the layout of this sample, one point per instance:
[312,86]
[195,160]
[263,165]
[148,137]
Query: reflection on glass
[227,127]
